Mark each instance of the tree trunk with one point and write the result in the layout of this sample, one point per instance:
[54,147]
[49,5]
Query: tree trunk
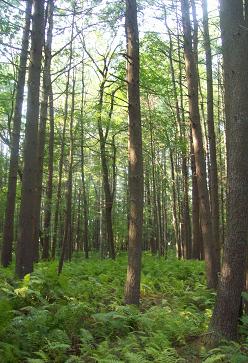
[46,90]
[234,22]
[85,202]
[60,172]
[105,174]
[62,150]
[197,243]
[25,242]
[213,175]
[67,239]
[6,256]
[49,192]
[205,215]
[135,186]
[174,209]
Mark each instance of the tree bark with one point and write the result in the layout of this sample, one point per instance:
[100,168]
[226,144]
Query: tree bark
[25,242]
[62,150]
[234,22]
[205,215]
[46,90]
[85,202]
[213,174]
[109,197]
[135,186]
[8,230]
[49,189]
[66,251]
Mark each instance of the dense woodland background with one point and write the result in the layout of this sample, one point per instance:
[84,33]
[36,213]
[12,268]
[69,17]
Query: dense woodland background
[123,130]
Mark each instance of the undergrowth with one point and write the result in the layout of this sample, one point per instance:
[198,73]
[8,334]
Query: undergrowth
[79,316]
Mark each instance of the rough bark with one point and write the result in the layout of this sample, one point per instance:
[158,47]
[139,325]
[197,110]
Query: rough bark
[25,242]
[8,230]
[46,90]
[234,22]
[132,288]
[213,174]
[205,215]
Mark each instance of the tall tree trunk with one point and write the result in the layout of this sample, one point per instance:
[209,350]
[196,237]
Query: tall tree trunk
[205,215]
[132,288]
[8,230]
[157,241]
[234,22]
[62,150]
[46,90]
[60,171]
[182,122]
[67,238]
[105,172]
[49,188]
[213,175]
[197,243]
[85,202]
[174,208]
[25,242]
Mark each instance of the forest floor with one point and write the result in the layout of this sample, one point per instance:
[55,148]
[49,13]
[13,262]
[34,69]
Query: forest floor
[79,316]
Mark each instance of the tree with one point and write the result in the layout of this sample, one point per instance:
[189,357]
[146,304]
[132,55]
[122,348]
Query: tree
[25,242]
[213,175]
[135,178]
[15,139]
[234,21]
[205,215]
[47,96]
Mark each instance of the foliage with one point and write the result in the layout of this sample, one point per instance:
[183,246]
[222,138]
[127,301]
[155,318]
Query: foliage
[79,316]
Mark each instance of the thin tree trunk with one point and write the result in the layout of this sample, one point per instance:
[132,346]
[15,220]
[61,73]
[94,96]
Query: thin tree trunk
[197,248]
[85,204]
[174,208]
[8,230]
[60,172]
[62,150]
[213,175]
[25,243]
[157,241]
[105,173]
[67,239]
[49,189]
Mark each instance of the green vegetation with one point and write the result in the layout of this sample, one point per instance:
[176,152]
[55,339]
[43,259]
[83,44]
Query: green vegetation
[79,316]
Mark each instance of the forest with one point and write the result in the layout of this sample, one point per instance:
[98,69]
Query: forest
[123,181]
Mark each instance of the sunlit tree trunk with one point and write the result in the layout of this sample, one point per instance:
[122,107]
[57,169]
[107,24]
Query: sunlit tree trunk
[234,22]
[135,185]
